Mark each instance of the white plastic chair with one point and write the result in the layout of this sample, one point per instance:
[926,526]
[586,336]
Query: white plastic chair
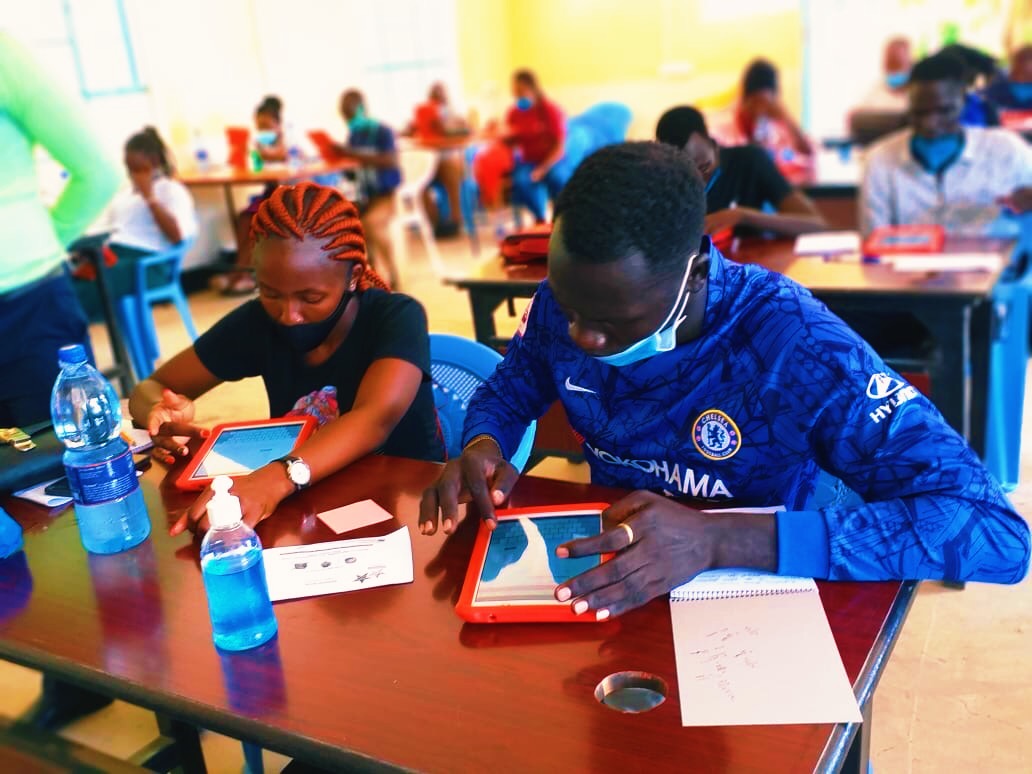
[417,170]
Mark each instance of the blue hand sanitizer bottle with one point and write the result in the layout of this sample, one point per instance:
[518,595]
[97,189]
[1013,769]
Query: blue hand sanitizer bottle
[234,575]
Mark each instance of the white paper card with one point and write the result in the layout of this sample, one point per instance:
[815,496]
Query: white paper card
[36,494]
[945,262]
[340,565]
[828,243]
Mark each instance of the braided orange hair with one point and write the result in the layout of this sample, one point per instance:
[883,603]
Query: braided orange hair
[318,211]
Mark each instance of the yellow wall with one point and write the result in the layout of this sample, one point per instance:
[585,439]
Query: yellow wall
[649,54]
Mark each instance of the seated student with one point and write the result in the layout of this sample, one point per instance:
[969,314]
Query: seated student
[327,338]
[271,146]
[689,375]
[435,120]
[156,213]
[535,127]
[940,172]
[740,182]
[761,118]
[372,143]
[979,70]
[1014,92]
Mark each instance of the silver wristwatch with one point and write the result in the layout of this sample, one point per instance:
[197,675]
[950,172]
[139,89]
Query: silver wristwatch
[298,472]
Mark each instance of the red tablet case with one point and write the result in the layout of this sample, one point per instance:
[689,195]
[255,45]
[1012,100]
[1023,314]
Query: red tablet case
[893,240]
[552,613]
[185,482]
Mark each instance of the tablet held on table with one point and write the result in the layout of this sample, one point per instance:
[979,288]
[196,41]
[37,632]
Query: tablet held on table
[514,571]
[238,448]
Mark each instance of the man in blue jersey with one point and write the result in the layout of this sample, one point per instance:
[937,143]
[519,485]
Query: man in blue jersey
[690,376]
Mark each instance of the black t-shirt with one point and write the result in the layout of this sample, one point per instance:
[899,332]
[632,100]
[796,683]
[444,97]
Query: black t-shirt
[747,177]
[388,325]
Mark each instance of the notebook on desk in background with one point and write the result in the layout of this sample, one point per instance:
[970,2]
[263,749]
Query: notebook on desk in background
[754,648]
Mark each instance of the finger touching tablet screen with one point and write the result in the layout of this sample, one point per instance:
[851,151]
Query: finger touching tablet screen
[514,571]
[239,448]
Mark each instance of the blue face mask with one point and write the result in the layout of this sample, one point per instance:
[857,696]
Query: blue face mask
[897,80]
[266,136]
[1022,92]
[713,179]
[665,337]
[524,103]
[937,154]
[360,120]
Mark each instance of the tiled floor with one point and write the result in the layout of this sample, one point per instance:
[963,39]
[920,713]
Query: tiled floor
[956,696]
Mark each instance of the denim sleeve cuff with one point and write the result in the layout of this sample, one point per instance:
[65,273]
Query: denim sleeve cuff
[484,427]
[803,544]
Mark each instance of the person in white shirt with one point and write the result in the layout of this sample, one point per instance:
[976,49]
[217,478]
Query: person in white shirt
[155,214]
[158,212]
[971,181]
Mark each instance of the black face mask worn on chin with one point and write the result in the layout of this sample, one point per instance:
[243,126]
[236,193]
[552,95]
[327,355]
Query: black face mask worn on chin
[304,337]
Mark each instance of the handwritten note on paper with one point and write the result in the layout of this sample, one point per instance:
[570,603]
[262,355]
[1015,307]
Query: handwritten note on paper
[759,661]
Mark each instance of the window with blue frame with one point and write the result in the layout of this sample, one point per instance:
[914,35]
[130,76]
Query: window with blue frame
[101,47]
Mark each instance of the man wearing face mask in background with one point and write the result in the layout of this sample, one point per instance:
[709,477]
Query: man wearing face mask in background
[1015,91]
[969,180]
[890,93]
[371,143]
[688,375]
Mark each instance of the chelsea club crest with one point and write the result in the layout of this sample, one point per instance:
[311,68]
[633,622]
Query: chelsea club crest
[716,436]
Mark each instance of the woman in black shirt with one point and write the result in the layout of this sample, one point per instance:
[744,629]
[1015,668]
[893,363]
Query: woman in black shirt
[327,338]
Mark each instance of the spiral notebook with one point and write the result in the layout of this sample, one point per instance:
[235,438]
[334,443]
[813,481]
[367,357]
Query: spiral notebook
[754,648]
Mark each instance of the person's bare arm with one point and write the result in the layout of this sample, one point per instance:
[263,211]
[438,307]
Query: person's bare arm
[386,392]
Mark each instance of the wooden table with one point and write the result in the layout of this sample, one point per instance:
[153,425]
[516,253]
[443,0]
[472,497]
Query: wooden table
[227,177]
[954,307]
[391,677]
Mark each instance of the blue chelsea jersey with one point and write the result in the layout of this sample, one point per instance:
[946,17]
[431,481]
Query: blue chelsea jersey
[774,390]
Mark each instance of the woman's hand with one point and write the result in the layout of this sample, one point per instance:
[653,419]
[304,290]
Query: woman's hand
[259,494]
[666,545]
[170,417]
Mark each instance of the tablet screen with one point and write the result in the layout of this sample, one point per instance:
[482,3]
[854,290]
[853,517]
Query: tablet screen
[241,450]
[521,568]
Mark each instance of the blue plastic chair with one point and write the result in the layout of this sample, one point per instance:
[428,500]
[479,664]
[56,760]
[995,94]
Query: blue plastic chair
[1008,361]
[458,367]
[134,309]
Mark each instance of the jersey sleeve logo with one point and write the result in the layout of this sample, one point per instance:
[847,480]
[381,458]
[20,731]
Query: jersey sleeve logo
[716,436]
[882,385]
[522,328]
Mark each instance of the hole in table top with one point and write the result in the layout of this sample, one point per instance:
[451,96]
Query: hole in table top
[631,691]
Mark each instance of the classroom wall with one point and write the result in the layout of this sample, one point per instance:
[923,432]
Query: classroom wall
[649,54]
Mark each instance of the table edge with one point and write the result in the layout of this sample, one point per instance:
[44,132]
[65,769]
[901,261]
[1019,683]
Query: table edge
[231,724]
[837,747]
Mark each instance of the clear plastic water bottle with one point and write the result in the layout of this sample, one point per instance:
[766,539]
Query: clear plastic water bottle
[87,418]
[234,575]
[201,156]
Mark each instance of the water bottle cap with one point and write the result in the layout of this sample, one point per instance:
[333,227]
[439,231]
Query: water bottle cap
[223,508]
[72,354]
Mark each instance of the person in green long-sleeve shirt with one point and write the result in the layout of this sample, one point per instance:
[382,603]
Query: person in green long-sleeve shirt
[38,308]
[39,311]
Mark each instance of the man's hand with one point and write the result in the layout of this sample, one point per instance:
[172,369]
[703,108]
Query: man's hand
[481,476]
[667,544]
[722,220]
[259,494]
[172,416]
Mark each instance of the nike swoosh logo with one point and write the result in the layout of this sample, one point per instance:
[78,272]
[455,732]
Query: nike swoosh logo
[577,388]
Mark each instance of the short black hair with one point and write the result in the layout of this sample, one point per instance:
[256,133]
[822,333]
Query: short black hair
[943,66]
[271,106]
[976,62]
[678,124]
[760,75]
[633,197]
